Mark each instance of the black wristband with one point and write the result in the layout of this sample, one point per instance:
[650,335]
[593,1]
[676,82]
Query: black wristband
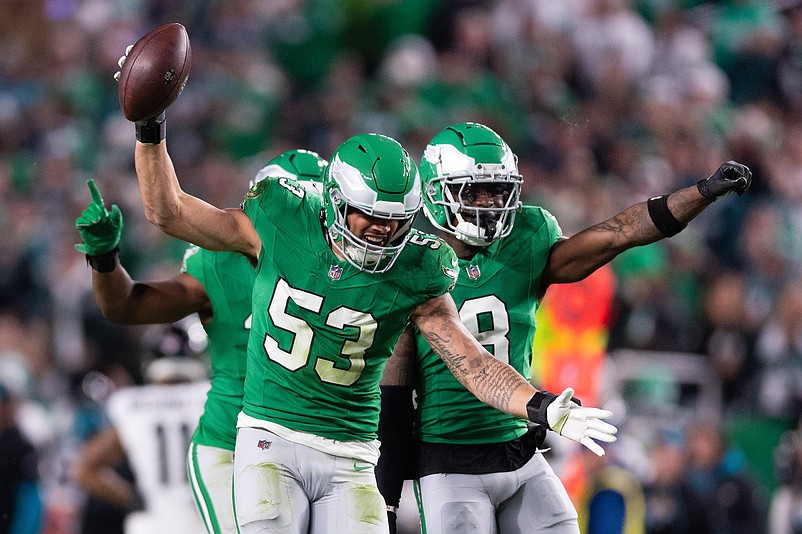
[152,131]
[536,407]
[103,263]
[662,217]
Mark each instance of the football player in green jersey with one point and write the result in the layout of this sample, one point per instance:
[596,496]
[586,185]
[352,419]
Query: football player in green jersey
[338,279]
[217,286]
[478,468]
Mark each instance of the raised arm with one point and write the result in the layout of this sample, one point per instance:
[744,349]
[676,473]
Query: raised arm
[572,259]
[120,298]
[499,385]
[184,216]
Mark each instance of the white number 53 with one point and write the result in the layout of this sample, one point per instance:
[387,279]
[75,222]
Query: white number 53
[298,354]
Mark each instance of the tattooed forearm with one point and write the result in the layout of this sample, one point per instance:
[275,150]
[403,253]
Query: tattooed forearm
[496,384]
[631,227]
[443,348]
[634,225]
[490,380]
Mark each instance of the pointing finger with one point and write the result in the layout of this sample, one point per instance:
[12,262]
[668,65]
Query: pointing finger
[93,190]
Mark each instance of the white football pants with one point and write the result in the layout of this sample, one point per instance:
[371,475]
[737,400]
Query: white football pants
[289,488]
[211,470]
[529,499]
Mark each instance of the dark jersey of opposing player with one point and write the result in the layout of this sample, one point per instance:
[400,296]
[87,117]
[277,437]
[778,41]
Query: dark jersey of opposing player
[497,297]
[228,279]
[322,329]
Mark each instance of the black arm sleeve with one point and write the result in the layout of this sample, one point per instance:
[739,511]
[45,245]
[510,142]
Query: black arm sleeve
[397,459]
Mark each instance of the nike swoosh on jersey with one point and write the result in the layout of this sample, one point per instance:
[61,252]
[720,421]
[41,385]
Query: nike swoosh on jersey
[360,467]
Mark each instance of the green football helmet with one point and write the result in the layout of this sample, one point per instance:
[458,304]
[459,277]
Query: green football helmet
[458,164]
[373,174]
[304,166]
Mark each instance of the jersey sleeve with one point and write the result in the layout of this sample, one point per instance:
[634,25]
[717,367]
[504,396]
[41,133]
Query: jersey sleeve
[446,270]
[551,227]
[192,263]
[273,199]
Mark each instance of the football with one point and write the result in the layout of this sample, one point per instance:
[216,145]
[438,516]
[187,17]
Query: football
[154,72]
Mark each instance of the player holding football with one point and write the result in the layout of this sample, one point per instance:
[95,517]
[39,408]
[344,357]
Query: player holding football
[338,280]
[479,469]
[217,286]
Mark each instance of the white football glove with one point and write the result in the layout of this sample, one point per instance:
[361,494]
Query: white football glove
[121,61]
[570,420]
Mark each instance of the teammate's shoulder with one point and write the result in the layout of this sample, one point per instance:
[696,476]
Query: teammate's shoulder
[535,214]
[430,254]
[274,185]
[430,246]
[278,194]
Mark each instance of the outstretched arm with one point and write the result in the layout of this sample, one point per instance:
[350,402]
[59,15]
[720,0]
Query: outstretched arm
[184,216]
[572,259]
[499,385]
[127,301]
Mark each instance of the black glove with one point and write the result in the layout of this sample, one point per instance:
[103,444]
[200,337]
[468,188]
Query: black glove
[391,517]
[731,176]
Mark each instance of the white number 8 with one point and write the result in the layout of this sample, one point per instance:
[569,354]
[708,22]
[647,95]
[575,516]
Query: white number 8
[469,313]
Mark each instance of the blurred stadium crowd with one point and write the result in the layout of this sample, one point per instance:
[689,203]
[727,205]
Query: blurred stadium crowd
[605,102]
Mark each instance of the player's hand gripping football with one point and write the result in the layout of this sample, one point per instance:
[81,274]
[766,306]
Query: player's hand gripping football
[121,61]
[100,228]
[570,420]
[149,131]
[153,73]
[730,176]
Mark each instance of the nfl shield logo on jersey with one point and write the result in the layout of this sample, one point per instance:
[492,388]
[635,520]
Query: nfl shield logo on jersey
[335,272]
[473,272]
[264,444]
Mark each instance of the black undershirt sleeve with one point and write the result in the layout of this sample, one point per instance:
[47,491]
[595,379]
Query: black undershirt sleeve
[397,459]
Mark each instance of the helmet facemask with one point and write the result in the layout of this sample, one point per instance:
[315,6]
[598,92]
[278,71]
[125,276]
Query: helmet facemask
[360,253]
[472,224]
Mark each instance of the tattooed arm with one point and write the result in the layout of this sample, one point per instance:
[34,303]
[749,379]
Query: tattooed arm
[490,380]
[499,385]
[572,259]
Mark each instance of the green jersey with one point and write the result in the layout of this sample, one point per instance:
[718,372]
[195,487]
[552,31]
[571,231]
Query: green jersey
[227,278]
[322,329]
[497,296]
